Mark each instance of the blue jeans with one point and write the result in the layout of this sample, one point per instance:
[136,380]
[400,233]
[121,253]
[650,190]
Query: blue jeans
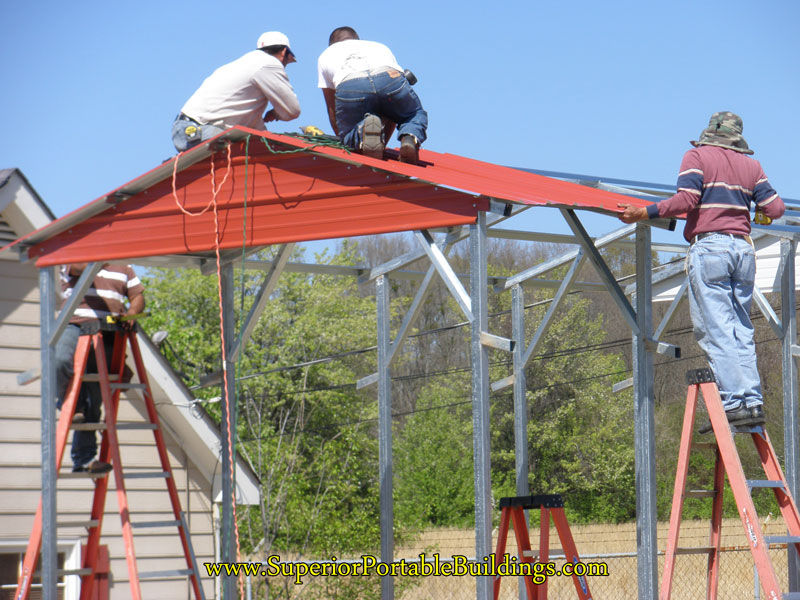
[722,271]
[386,94]
[90,400]
[182,141]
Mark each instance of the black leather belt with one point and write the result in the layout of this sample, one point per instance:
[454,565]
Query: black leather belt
[700,236]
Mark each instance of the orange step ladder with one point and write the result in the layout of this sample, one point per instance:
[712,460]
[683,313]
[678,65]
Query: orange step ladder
[728,463]
[111,385]
[513,512]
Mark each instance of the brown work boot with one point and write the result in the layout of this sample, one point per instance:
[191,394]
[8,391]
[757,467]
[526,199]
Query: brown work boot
[96,467]
[372,144]
[409,149]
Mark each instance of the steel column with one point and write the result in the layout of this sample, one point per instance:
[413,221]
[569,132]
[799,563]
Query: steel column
[791,434]
[480,400]
[49,540]
[644,422]
[520,404]
[520,390]
[228,424]
[385,433]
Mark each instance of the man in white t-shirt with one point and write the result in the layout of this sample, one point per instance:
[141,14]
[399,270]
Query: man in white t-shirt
[367,94]
[238,94]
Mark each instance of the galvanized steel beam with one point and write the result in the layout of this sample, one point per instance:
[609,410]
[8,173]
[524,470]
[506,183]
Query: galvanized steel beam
[568,256]
[602,269]
[766,309]
[385,433]
[263,294]
[644,423]
[48,406]
[672,309]
[480,402]
[228,425]
[520,390]
[791,414]
[84,282]
[446,272]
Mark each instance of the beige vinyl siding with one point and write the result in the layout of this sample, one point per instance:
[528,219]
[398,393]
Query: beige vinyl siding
[20,462]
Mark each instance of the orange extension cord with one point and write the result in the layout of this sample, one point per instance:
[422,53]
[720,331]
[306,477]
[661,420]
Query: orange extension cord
[213,203]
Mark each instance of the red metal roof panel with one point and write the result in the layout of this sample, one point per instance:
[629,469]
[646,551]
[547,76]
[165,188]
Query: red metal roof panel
[294,191]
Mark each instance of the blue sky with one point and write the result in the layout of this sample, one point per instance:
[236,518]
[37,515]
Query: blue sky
[613,89]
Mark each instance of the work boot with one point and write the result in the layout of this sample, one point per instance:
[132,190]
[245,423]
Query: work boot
[757,413]
[409,149]
[96,467]
[372,137]
[734,416]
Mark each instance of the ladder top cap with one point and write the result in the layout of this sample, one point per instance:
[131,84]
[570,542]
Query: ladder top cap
[538,501]
[696,376]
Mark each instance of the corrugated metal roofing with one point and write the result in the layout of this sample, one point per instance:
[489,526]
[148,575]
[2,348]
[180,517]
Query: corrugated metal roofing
[316,192]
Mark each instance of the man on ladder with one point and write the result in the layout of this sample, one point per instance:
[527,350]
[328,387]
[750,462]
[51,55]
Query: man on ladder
[717,185]
[106,297]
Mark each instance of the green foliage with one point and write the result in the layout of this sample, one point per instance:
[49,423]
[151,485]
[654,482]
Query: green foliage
[580,435]
[433,460]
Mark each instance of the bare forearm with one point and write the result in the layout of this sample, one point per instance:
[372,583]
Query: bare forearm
[137,305]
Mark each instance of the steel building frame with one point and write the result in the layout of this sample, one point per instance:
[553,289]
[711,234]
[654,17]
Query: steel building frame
[435,244]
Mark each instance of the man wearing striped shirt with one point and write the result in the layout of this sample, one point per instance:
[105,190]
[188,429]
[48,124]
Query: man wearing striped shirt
[112,286]
[717,186]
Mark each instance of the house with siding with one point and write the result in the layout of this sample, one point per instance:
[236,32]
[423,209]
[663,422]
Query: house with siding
[193,443]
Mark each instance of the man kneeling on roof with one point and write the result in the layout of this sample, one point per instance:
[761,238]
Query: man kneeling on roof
[238,94]
[364,86]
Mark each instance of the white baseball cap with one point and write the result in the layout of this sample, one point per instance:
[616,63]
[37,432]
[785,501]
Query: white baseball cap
[273,38]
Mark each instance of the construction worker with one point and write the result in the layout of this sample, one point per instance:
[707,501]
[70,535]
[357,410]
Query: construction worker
[717,185]
[106,295]
[238,94]
[367,93]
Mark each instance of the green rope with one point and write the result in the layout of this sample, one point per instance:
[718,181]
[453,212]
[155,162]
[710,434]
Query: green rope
[323,141]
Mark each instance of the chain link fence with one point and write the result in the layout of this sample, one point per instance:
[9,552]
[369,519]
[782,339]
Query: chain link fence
[737,579]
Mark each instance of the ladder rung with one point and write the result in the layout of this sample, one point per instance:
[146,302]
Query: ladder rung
[700,494]
[144,524]
[88,426]
[128,386]
[65,572]
[136,426]
[764,483]
[150,475]
[782,539]
[96,377]
[86,524]
[696,550]
[552,553]
[165,574]
[704,445]
[83,475]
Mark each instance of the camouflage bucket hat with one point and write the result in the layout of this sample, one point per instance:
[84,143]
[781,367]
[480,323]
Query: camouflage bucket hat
[724,130]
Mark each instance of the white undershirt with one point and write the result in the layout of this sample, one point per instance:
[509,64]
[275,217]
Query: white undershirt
[352,56]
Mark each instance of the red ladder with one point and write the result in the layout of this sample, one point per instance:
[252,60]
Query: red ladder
[111,386]
[728,463]
[513,510]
